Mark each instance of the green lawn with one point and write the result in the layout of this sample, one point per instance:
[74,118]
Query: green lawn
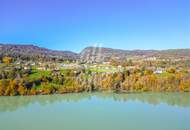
[2,64]
[112,69]
[49,85]
[165,74]
[36,74]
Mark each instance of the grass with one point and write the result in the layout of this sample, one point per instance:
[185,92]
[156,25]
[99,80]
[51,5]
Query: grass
[36,74]
[49,85]
[103,69]
[6,65]
[65,70]
[2,64]
[165,74]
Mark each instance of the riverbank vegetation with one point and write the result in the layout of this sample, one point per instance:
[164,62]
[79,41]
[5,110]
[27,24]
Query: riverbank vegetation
[18,80]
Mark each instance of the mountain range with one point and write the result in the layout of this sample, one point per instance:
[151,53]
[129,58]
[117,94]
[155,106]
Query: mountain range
[88,53]
[29,51]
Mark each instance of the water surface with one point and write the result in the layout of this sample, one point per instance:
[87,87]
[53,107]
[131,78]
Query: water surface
[96,111]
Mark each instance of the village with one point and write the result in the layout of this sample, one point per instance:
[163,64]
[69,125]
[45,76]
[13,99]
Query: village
[156,66]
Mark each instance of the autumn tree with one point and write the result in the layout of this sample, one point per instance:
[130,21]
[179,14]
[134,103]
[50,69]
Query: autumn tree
[7,60]
[21,89]
[3,86]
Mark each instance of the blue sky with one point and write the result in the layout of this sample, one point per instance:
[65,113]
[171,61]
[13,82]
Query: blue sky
[75,24]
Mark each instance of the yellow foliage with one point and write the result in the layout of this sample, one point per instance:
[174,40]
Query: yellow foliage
[7,60]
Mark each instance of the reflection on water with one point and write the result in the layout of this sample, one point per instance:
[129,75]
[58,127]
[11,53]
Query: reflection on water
[96,111]
[171,99]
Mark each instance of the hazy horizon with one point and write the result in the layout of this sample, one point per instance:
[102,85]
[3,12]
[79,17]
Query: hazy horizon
[75,24]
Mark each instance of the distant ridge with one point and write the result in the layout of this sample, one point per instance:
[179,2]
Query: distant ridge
[32,51]
[105,54]
[88,53]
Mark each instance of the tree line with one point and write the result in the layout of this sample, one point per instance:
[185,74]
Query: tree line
[17,82]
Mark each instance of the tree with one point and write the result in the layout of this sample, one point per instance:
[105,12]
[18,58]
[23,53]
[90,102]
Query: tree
[171,70]
[21,89]
[33,91]
[185,85]
[12,88]
[148,72]
[3,86]
[7,60]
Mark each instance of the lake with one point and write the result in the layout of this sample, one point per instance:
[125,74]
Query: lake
[96,111]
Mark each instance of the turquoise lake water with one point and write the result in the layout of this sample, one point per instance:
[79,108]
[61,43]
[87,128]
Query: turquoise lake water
[96,111]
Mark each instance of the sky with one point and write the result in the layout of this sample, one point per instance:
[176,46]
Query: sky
[76,24]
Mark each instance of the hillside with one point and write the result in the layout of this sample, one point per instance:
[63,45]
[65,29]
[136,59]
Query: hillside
[89,54]
[105,54]
[31,51]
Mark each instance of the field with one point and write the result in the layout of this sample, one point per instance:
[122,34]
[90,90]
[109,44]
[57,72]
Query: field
[36,74]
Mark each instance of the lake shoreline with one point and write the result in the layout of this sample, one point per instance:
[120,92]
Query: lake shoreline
[108,92]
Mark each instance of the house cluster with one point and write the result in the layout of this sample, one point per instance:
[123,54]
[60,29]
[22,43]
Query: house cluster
[25,65]
[159,70]
[57,66]
[97,67]
[69,66]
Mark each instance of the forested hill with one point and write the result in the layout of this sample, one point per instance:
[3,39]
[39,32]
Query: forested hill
[97,53]
[31,51]
[102,53]
[88,54]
